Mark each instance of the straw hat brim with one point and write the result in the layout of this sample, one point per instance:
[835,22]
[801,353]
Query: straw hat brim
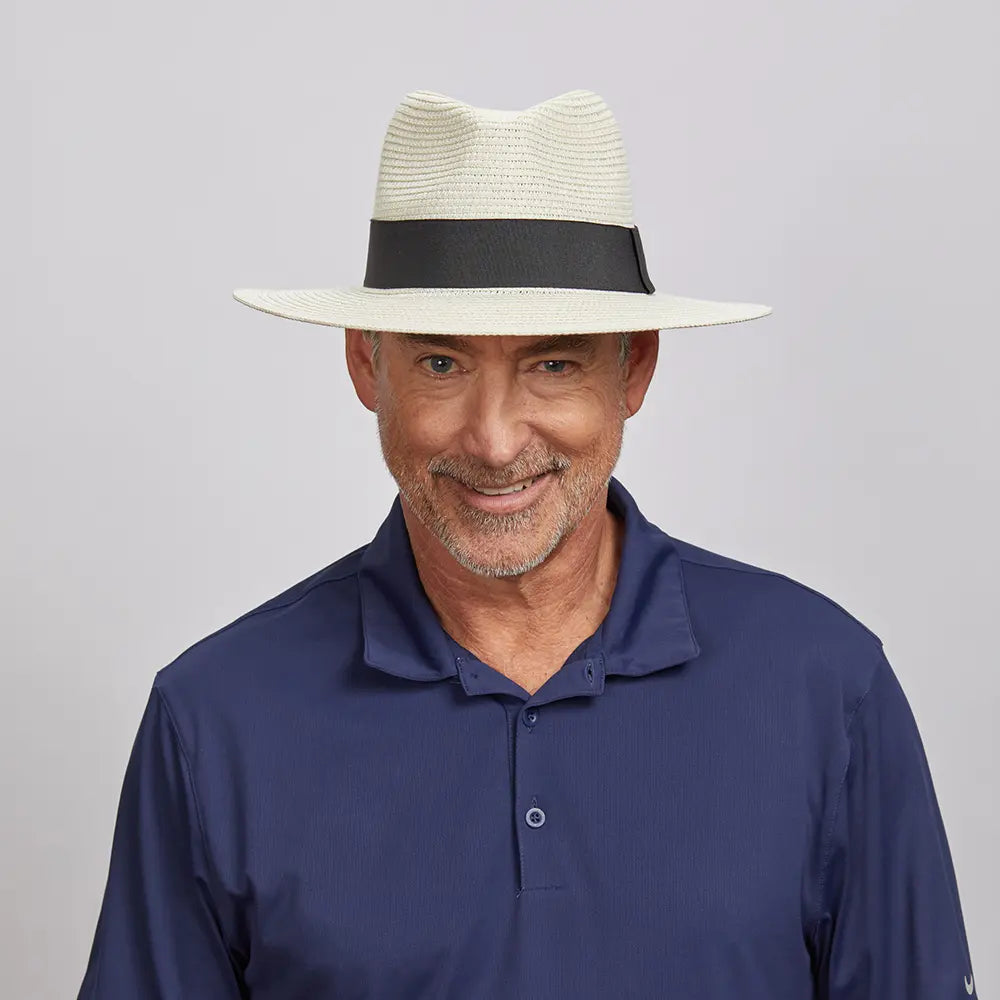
[486,311]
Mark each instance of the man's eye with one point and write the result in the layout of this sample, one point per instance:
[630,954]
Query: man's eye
[437,357]
[557,361]
[436,370]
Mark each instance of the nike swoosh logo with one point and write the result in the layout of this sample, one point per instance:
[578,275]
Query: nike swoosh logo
[968,984]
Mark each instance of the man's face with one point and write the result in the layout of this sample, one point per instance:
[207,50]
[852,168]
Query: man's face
[455,413]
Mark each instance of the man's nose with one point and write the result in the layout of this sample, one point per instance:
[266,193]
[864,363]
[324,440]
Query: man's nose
[498,419]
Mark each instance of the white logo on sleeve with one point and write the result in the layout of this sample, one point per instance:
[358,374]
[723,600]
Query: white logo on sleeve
[968,984]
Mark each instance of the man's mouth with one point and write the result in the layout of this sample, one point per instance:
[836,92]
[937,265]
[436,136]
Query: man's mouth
[515,488]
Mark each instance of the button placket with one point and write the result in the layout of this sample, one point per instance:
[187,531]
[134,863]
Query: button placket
[537,849]
[538,756]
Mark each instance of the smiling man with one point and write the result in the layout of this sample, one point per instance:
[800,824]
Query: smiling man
[523,743]
[465,417]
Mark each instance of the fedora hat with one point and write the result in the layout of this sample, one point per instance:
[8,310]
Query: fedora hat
[501,222]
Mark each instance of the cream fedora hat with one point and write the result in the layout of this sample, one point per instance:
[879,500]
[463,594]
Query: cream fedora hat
[501,222]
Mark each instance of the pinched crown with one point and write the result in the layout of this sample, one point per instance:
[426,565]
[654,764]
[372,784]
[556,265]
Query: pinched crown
[560,159]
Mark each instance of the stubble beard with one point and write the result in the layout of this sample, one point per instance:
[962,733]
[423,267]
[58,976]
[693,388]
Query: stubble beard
[465,543]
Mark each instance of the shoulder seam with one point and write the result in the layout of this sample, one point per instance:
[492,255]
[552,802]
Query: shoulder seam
[828,839]
[209,860]
[782,576]
[253,612]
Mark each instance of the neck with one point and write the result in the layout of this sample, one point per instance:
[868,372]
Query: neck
[557,604]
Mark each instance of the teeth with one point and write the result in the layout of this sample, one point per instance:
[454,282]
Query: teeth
[510,489]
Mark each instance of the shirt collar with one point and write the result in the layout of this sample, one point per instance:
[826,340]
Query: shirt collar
[647,627]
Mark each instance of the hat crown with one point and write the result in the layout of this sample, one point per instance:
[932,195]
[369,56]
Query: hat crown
[560,159]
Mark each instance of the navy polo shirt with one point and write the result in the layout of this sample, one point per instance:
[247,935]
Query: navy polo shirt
[722,793]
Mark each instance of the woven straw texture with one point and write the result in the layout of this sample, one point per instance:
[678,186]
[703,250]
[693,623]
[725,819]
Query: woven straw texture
[561,159]
[444,159]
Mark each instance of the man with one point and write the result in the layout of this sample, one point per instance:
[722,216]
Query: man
[524,744]
[496,420]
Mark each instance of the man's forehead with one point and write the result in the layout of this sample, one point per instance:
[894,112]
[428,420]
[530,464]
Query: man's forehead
[585,344]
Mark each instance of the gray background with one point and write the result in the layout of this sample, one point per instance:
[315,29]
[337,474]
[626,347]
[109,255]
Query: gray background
[172,458]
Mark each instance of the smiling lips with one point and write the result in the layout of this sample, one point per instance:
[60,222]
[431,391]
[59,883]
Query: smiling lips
[509,499]
[514,488]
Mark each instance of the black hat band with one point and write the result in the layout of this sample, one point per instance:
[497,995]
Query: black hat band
[505,253]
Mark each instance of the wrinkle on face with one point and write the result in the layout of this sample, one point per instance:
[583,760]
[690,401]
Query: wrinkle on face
[490,411]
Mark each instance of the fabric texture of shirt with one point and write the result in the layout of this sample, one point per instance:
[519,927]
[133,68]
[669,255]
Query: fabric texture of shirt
[722,793]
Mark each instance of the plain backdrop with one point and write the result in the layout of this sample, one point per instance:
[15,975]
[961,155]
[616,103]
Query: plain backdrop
[172,458]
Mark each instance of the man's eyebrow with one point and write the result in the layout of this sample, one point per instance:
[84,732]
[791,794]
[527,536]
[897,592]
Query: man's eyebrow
[572,343]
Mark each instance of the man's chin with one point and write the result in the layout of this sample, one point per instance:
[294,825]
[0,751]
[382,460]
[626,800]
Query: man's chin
[508,566]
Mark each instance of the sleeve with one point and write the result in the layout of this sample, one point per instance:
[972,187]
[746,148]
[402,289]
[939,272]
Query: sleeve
[157,933]
[892,925]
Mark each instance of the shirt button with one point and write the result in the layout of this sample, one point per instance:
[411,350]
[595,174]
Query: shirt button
[530,717]
[534,817]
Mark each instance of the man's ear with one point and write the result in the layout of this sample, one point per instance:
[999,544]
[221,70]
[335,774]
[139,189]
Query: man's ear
[641,365]
[359,365]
